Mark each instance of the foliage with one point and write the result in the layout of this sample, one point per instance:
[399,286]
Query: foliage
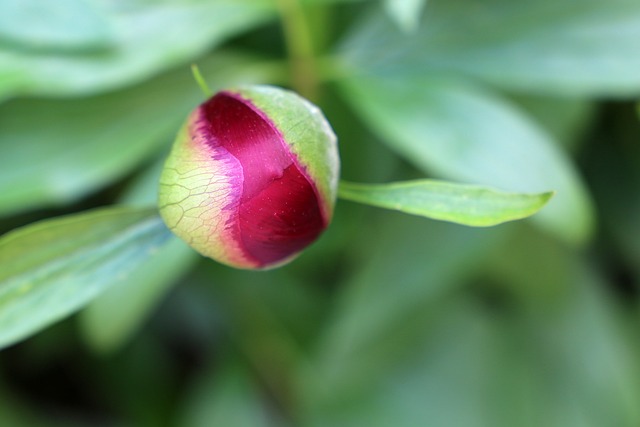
[389,319]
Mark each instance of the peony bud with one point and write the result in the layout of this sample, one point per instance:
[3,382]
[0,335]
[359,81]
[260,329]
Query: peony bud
[252,177]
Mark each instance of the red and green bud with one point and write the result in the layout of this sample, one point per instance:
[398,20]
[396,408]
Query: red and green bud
[252,177]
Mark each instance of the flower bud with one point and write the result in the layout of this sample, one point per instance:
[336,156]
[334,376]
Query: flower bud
[252,177]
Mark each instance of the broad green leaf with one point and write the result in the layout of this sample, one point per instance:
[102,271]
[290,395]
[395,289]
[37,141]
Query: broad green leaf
[387,304]
[61,25]
[440,380]
[134,297]
[463,204]
[485,363]
[80,145]
[573,322]
[149,37]
[566,119]
[461,132]
[555,47]
[52,268]
[406,13]
[476,367]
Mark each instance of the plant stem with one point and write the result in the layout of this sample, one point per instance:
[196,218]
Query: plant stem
[197,75]
[299,42]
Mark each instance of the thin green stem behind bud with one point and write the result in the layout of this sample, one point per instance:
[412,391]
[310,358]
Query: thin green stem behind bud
[201,81]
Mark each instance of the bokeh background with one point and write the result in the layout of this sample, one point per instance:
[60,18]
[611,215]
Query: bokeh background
[388,320]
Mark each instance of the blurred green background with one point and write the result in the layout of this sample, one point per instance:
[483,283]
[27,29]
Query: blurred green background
[388,320]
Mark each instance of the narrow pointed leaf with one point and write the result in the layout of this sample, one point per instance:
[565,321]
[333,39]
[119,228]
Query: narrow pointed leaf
[50,269]
[462,132]
[463,204]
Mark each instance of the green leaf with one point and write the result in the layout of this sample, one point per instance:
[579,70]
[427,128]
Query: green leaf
[474,360]
[52,268]
[572,321]
[463,204]
[408,264]
[60,25]
[134,297]
[555,47]
[406,13]
[439,380]
[149,37]
[566,119]
[460,132]
[80,145]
